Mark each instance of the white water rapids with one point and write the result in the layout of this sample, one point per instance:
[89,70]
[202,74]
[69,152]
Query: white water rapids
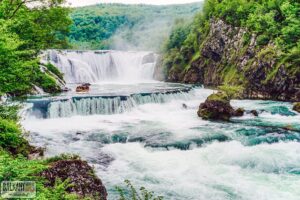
[167,148]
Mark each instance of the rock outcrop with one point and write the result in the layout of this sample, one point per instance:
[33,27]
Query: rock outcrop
[216,107]
[231,55]
[296,107]
[83,88]
[80,175]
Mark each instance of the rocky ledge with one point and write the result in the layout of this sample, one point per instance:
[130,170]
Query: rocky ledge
[80,176]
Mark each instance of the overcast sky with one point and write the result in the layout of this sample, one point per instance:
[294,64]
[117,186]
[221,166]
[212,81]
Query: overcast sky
[156,2]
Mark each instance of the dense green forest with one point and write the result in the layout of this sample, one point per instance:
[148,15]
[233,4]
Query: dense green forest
[274,25]
[120,26]
[24,32]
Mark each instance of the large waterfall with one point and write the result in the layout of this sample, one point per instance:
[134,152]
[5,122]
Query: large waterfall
[99,66]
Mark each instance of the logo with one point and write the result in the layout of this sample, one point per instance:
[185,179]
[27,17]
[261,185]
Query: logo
[18,189]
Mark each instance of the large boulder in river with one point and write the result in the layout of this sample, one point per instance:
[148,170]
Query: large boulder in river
[216,107]
[80,175]
[296,107]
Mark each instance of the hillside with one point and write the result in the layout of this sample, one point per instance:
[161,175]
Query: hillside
[253,47]
[126,27]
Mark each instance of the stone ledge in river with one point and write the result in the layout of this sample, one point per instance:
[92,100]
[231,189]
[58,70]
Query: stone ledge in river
[82,179]
[217,107]
[296,107]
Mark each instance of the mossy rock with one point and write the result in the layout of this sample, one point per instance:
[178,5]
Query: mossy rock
[216,107]
[296,107]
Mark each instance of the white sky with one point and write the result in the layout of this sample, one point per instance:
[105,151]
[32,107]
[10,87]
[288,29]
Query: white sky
[75,3]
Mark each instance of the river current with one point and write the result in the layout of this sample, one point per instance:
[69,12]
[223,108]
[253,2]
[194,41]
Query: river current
[151,135]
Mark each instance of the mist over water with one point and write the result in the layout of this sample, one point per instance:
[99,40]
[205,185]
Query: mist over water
[158,143]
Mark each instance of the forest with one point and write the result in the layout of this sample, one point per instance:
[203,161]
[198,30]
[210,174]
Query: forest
[119,26]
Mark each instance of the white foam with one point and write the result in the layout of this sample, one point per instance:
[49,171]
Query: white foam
[219,171]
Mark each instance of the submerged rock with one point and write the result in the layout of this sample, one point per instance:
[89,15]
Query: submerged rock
[239,112]
[80,175]
[216,107]
[296,107]
[254,112]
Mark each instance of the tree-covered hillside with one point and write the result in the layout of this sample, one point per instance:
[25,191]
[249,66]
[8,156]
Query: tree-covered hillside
[251,44]
[122,26]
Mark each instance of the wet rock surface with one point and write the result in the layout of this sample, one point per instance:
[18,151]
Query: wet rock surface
[80,175]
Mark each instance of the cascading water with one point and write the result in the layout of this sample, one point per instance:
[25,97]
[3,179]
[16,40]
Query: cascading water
[151,134]
[99,66]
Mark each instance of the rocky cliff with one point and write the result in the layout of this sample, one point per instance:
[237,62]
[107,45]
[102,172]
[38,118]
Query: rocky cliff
[232,56]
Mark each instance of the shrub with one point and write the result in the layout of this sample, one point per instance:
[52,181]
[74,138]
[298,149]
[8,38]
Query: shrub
[132,194]
[54,70]
[47,82]
[262,40]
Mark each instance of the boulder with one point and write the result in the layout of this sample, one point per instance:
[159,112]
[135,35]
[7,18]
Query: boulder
[296,107]
[83,88]
[239,112]
[80,175]
[216,107]
[254,112]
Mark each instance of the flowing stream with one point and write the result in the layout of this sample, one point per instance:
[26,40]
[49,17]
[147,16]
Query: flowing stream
[132,127]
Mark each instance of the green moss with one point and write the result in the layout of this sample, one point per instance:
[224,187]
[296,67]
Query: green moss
[54,70]
[232,91]
[219,96]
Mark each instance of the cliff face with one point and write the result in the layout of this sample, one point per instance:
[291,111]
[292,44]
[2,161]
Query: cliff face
[230,55]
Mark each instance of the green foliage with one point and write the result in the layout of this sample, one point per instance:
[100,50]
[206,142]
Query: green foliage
[21,169]
[9,112]
[54,70]
[272,21]
[62,157]
[262,40]
[232,91]
[23,33]
[132,194]
[10,136]
[47,82]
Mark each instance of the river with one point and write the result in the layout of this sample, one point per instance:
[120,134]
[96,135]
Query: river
[130,126]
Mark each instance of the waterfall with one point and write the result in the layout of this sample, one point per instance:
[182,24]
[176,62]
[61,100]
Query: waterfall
[99,66]
[105,105]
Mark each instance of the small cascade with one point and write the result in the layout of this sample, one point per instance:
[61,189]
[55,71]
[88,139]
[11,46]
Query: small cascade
[103,105]
[98,66]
